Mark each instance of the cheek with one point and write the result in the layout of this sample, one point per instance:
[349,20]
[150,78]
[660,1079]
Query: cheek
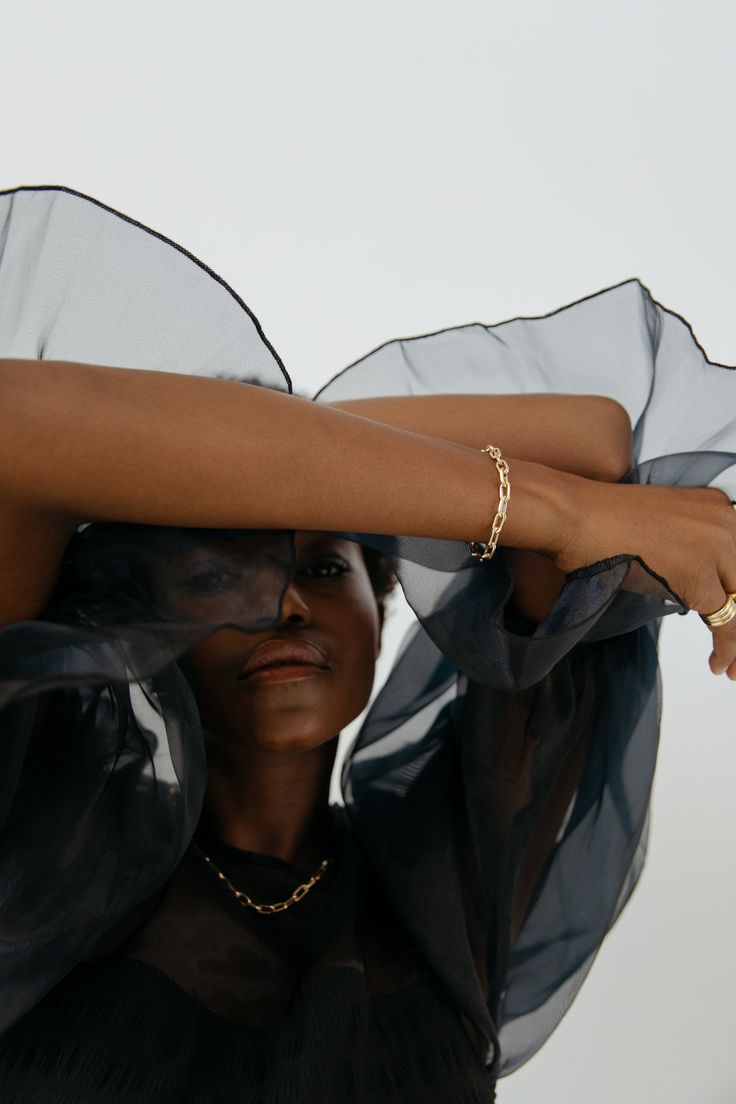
[356,659]
[210,661]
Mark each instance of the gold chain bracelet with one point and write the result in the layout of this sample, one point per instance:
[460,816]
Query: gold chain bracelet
[479,550]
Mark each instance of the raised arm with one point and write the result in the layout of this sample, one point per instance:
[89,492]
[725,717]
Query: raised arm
[586,435]
[160,448]
[82,443]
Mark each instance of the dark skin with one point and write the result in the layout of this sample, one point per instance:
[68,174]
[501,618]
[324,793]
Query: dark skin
[271,745]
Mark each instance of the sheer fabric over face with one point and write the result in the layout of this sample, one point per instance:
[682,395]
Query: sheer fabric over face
[450,773]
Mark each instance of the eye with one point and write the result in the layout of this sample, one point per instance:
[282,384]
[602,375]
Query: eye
[206,582]
[326,569]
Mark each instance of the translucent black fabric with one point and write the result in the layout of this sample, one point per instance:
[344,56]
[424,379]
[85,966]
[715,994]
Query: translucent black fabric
[448,779]
[204,1000]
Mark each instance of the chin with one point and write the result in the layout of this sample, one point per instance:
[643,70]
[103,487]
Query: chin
[284,742]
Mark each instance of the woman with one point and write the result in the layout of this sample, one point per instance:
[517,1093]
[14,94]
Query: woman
[496,797]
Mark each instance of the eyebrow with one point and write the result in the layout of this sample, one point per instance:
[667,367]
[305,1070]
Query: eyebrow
[324,538]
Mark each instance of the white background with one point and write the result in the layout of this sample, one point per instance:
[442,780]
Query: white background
[365,171]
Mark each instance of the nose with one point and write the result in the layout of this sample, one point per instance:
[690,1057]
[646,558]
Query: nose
[294,609]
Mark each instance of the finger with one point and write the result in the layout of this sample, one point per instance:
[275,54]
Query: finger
[723,656]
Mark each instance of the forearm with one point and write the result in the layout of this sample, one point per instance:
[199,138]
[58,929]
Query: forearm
[160,448]
[586,435]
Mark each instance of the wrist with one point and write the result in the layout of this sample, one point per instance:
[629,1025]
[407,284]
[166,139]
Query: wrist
[543,507]
[585,532]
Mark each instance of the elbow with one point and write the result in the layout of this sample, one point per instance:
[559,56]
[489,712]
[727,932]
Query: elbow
[615,455]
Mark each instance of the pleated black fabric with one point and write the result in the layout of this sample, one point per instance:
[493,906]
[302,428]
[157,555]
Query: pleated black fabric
[459,754]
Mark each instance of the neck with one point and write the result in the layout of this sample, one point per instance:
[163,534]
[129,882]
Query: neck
[272,803]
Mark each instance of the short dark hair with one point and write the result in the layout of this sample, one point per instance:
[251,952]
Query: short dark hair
[381,571]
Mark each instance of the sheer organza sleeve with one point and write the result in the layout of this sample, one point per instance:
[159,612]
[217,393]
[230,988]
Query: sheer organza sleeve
[102,765]
[619,343]
[463,749]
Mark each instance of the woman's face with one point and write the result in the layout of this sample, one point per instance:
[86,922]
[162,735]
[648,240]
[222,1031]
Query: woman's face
[331,609]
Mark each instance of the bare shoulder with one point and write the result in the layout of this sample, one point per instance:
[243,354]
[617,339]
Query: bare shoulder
[32,544]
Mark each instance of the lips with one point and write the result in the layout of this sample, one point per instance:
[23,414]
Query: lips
[282,653]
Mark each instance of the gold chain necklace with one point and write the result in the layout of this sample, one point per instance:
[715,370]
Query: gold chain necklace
[248,902]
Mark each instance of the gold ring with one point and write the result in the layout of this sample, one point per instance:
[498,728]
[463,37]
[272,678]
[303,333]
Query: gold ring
[722,616]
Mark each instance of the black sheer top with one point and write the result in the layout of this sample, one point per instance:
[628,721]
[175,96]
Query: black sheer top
[204,1000]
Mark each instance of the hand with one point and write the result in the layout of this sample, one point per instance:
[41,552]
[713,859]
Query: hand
[685,534]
